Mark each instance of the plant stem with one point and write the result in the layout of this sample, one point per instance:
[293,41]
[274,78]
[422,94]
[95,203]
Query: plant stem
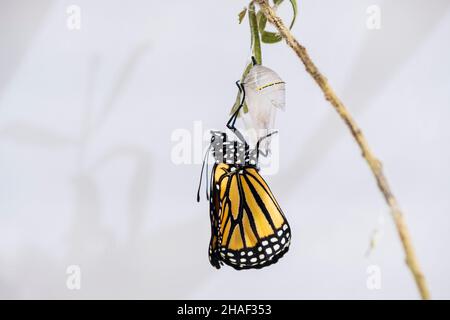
[256,41]
[256,52]
[374,164]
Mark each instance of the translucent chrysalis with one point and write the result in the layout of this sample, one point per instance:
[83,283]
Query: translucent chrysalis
[265,94]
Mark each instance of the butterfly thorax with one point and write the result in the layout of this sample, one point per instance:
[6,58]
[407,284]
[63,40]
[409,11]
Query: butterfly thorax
[233,152]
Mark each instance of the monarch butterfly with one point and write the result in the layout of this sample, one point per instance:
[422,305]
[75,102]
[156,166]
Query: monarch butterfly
[248,227]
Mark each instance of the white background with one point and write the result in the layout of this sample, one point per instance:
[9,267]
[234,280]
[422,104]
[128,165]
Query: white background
[86,176]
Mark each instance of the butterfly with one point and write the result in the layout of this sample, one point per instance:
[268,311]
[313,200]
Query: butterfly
[248,227]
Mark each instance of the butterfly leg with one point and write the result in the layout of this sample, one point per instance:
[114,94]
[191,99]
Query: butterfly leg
[232,121]
[259,142]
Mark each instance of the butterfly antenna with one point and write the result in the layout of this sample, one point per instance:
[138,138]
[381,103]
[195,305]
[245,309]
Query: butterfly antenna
[201,175]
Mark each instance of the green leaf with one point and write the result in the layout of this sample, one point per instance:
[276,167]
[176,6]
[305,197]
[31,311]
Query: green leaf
[270,37]
[274,37]
[262,21]
[267,36]
[295,11]
[241,15]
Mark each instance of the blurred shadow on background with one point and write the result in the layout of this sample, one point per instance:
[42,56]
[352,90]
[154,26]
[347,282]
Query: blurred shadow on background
[150,267]
[147,258]
[382,55]
[124,76]
[87,231]
[17,34]
[29,134]
[92,244]
[87,228]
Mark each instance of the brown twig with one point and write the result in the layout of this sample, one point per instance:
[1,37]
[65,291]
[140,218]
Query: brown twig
[373,162]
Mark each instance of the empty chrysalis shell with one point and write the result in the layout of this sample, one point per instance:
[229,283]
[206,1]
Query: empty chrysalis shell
[264,95]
